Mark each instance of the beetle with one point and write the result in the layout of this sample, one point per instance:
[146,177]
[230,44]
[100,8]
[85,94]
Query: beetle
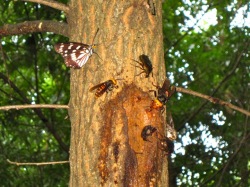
[144,64]
[147,131]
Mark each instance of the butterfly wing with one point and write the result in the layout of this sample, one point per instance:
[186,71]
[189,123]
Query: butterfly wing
[74,54]
[171,91]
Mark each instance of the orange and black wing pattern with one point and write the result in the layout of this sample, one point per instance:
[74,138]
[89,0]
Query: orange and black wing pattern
[100,89]
[104,87]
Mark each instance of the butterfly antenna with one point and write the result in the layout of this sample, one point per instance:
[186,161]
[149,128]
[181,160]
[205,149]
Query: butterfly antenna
[97,55]
[95,36]
[94,39]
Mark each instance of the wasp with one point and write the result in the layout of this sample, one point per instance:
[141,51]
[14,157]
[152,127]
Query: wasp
[147,131]
[103,87]
[145,65]
[163,95]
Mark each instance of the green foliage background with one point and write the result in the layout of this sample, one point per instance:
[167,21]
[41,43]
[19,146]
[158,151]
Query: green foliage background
[212,148]
[40,77]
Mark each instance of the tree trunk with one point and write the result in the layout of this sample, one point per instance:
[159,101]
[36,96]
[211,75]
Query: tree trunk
[106,145]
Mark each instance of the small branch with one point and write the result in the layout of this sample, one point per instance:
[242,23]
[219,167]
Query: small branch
[34,26]
[38,112]
[215,90]
[212,99]
[226,165]
[36,163]
[18,107]
[231,158]
[52,4]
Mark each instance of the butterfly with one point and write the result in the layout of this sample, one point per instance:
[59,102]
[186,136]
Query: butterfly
[75,54]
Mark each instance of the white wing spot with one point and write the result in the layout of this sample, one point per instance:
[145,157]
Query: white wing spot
[61,48]
[70,46]
[86,51]
[73,56]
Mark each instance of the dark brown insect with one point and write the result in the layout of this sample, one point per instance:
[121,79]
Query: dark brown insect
[163,95]
[103,87]
[166,91]
[147,131]
[166,145]
[145,65]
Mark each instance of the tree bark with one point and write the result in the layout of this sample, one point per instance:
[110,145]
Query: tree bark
[106,145]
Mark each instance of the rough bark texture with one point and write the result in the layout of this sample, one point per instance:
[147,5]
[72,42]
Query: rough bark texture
[106,146]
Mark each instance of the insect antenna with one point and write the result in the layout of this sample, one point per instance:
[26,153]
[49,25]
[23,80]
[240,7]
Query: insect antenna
[97,55]
[94,45]
[95,36]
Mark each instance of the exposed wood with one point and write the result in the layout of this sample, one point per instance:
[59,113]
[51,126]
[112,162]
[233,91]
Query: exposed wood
[125,159]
